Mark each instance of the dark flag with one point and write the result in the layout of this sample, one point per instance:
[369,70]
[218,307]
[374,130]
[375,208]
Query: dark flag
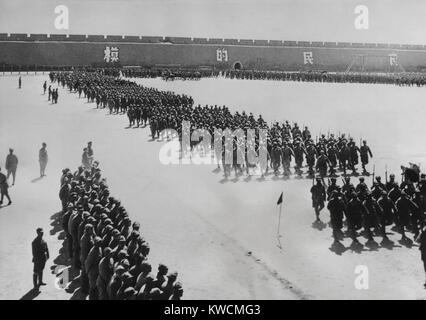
[280,199]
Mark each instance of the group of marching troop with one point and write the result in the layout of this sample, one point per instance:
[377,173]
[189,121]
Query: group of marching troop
[164,110]
[106,249]
[406,79]
[169,74]
[372,210]
[400,79]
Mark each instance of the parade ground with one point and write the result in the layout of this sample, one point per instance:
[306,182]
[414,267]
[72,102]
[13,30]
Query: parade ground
[220,235]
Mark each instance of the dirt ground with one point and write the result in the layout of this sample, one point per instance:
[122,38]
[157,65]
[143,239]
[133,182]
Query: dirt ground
[219,235]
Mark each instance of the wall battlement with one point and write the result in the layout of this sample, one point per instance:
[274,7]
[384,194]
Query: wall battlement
[18,49]
[189,41]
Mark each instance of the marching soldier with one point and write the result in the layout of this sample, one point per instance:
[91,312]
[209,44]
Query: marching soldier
[318,197]
[337,209]
[287,153]
[365,152]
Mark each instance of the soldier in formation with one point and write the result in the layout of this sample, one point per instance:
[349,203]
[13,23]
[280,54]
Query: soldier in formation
[375,208]
[106,249]
[414,79]
[286,143]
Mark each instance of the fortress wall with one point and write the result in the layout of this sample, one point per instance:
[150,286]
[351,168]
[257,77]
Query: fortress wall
[54,50]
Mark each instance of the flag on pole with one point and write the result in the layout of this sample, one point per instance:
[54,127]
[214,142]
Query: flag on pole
[280,199]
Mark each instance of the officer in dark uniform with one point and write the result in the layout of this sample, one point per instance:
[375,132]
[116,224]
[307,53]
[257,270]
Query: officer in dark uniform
[318,197]
[422,248]
[337,209]
[4,188]
[11,165]
[391,183]
[365,153]
[40,256]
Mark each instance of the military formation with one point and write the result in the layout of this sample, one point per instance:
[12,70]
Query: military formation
[169,74]
[400,79]
[106,249]
[373,208]
[287,144]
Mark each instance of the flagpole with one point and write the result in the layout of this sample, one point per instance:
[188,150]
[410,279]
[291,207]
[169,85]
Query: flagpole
[279,220]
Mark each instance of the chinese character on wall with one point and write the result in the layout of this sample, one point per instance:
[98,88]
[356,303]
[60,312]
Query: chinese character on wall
[222,55]
[393,59]
[308,58]
[111,54]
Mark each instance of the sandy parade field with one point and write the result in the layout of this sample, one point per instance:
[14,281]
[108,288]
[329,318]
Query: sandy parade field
[219,235]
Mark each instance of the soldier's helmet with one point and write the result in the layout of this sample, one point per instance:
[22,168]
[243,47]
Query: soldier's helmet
[361,179]
[378,178]
[392,176]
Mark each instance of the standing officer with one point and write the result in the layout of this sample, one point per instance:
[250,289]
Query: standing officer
[40,256]
[43,158]
[11,165]
[4,188]
[20,82]
[365,152]
[318,197]
[422,249]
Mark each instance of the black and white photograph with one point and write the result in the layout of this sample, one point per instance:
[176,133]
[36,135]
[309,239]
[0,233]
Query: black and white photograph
[212,150]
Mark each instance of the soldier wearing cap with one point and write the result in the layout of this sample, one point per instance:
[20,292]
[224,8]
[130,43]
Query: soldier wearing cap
[106,271]
[40,256]
[4,188]
[337,209]
[331,187]
[422,248]
[90,152]
[115,283]
[391,183]
[43,158]
[92,267]
[11,165]
[362,189]
[86,244]
[372,212]
[177,291]
[365,152]
[322,164]
[318,197]
[405,207]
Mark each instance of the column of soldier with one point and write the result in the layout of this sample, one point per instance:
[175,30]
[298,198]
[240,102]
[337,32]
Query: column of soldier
[400,79]
[169,74]
[401,206]
[105,248]
[167,110]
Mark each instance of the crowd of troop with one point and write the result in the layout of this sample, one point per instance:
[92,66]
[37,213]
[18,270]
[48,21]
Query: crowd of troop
[285,143]
[374,208]
[169,74]
[400,79]
[106,249]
